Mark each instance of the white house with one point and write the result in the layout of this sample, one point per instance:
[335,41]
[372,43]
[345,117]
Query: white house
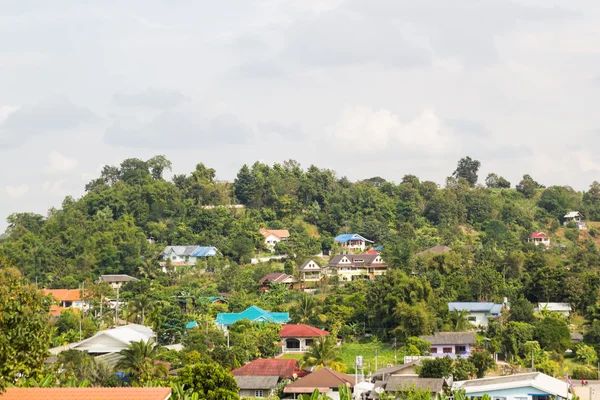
[352,241]
[110,340]
[310,271]
[116,281]
[187,255]
[479,313]
[529,386]
[274,236]
[299,337]
[539,238]
[576,217]
[357,266]
[561,308]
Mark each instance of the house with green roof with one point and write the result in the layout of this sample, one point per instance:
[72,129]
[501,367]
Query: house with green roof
[252,314]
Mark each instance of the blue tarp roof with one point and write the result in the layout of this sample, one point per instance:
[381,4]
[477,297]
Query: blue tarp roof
[343,238]
[204,252]
[254,314]
[476,307]
[191,324]
[378,248]
[192,251]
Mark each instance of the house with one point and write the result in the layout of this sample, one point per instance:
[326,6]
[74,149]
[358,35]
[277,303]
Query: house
[404,383]
[277,278]
[405,369]
[479,313]
[562,308]
[116,281]
[260,377]
[299,337]
[252,314]
[256,386]
[187,255]
[451,344]
[310,271]
[434,250]
[576,217]
[539,238]
[357,266]
[529,386]
[352,241]
[110,340]
[66,298]
[213,300]
[325,380]
[274,236]
[87,393]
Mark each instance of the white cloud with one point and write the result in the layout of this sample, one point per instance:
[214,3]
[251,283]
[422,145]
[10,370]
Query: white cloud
[15,192]
[54,188]
[5,111]
[363,129]
[60,164]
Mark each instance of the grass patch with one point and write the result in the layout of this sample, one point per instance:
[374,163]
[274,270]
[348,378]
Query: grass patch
[289,356]
[385,355]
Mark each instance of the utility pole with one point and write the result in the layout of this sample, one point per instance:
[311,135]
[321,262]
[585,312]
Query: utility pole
[117,309]
[395,352]
[81,313]
[532,361]
[375,359]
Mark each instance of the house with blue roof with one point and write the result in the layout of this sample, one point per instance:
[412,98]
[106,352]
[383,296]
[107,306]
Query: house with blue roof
[352,241]
[187,255]
[479,313]
[252,314]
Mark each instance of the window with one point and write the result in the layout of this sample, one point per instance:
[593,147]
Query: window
[433,350]
[472,319]
[447,350]
[461,349]
[258,393]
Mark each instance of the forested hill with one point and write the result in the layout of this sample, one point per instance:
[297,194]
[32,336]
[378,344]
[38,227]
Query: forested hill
[487,225]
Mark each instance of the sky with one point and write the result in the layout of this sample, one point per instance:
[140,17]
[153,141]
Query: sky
[364,87]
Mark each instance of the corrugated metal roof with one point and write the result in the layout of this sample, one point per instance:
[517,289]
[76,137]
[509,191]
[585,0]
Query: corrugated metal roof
[406,382]
[280,367]
[555,306]
[441,338]
[192,251]
[343,238]
[301,331]
[472,306]
[253,313]
[321,378]
[250,382]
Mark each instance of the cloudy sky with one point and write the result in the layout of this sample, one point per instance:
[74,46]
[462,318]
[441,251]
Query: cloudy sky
[366,87]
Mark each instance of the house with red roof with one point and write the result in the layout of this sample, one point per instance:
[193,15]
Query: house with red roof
[65,298]
[296,338]
[259,378]
[274,236]
[539,238]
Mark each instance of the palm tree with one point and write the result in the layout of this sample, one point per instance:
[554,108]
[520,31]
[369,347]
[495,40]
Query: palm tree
[460,319]
[139,360]
[324,352]
[139,306]
[306,309]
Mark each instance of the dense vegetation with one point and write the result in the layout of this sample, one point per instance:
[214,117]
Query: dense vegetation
[487,226]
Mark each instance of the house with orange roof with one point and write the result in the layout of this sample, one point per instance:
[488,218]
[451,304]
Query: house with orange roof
[88,393]
[274,236]
[66,298]
[296,338]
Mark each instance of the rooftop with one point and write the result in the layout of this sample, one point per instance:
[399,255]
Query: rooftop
[64,294]
[536,380]
[250,382]
[254,314]
[538,235]
[117,278]
[192,251]
[278,277]
[442,338]
[301,331]
[323,379]
[343,238]
[280,233]
[475,307]
[406,382]
[279,367]
[124,393]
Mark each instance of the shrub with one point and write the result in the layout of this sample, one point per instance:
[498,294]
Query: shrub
[582,372]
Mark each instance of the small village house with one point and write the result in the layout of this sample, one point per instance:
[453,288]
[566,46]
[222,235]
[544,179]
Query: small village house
[299,337]
[186,255]
[398,384]
[260,377]
[325,380]
[576,217]
[408,368]
[66,298]
[252,314]
[274,236]
[278,278]
[529,386]
[116,281]
[451,344]
[310,271]
[479,313]
[352,241]
[539,238]
[563,309]
[349,267]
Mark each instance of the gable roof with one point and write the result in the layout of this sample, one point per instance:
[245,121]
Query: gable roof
[345,237]
[253,314]
[301,331]
[280,233]
[357,259]
[392,370]
[543,382]
[561,307]
[323,379]
[573,214]
[278,277]
[64,294]
[488,307]
[110,340]
[117,278]
[249,382]
[406,382]
[192,251]
[434,250]
[90,393]
[305,265]
[282,368]
[442,338]
[538,235]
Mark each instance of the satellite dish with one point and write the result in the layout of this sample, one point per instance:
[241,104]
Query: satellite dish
[389,365]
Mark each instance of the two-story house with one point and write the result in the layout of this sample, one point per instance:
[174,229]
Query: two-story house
[479,313]
[274,236]
[310,271]
[352,241]
[65,298]
[299,337]
[451,344]
[576,217]
[357,266]
[187,255]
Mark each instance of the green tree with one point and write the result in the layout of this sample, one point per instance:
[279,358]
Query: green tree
[495,181]
[553,334]
[483,362]
[324,352]
[439,367]
[139,359]
[24,329]
[586,354]
[244,186]
[209,381]
[467,169]
[527,186]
